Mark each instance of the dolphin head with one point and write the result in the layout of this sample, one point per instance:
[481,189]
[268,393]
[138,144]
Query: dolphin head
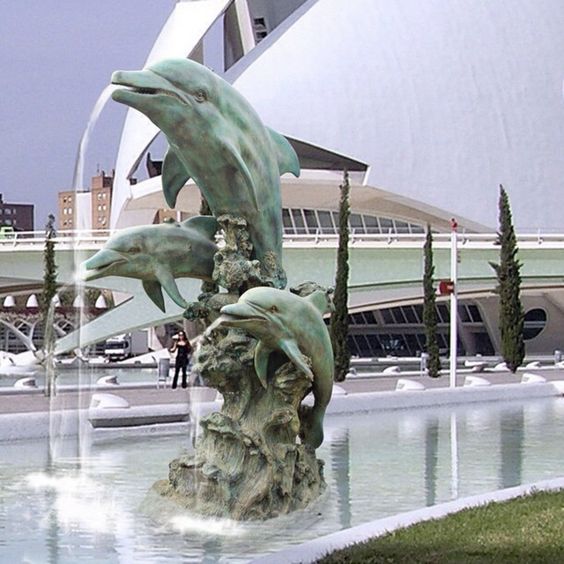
[202,116]
[260,311]
[125,254]
[170,93]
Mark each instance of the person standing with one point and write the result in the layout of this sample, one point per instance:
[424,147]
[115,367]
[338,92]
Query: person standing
[183,351]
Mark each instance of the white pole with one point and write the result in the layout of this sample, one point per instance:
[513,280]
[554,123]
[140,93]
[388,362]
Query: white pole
[453,302]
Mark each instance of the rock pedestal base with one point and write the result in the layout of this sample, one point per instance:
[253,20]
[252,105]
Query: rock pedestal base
[250,461]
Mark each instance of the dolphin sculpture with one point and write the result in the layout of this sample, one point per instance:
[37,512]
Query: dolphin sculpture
[157,254]
[294,325]
[217,139]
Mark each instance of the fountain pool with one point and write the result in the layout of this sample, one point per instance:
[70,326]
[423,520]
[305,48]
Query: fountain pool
[73,509]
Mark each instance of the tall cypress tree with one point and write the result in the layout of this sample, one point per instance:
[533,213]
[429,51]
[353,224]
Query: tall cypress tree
[511,314]
[49,266]
[340,317]
[204,206]
[429,308]
[49,291]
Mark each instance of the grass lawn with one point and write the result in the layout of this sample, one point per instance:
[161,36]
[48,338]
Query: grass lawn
[526,529]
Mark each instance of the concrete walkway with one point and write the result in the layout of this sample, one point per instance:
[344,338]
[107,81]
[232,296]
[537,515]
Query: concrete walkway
[386,383]
[37,403]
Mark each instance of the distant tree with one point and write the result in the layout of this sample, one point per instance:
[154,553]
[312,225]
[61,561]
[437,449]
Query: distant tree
[511,314]
[204,206]
[49,267]
[429,308]
[49,291]
[339,327]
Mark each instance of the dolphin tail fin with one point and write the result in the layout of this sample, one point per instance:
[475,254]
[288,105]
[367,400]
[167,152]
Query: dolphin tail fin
[315,435]
[262,353]
[285,154]
[174,177]
[154,290]
[233,157]
[205,224]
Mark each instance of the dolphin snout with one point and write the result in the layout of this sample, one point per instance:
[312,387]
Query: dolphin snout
[103,260]
[241,310]
[136,78]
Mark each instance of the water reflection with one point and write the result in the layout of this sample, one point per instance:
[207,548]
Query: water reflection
[512,434]
[454,477]
[340,464]
[431,460]
[70,507]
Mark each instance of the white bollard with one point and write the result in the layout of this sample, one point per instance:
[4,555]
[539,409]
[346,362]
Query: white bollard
[405,385]
[476,381]
[108,401]
[25,383]
[111,380]
[530,378]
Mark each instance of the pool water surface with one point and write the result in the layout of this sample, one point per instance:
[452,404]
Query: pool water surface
[65,508]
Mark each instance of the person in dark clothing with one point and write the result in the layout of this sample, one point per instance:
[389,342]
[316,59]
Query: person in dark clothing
[183,351]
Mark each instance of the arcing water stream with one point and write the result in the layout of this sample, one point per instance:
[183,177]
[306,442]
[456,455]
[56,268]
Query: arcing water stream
[78,176]
[57,417]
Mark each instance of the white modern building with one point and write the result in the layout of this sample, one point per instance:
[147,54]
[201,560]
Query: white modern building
[430,106]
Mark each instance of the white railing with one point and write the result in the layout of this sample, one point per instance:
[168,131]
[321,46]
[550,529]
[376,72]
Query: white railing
[95,239]
[30,240]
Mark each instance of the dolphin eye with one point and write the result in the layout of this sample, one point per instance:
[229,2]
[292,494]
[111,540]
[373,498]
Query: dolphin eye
[135,249]
[273,309]
[200,96]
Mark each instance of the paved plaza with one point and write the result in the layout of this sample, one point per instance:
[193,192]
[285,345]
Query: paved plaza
[37,402]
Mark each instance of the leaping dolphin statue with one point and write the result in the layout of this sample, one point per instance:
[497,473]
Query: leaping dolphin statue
[217,139]
[157,254]
[294,325]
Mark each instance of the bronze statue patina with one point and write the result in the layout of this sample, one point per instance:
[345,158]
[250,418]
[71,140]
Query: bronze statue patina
[217,139]
[157,254]
[286,322]
[265,348]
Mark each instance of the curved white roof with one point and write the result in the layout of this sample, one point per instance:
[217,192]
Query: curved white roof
[443,100]
[186,25]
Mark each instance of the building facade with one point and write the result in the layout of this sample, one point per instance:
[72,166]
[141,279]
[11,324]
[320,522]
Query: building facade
[101,193]
[89,209]
[16,216]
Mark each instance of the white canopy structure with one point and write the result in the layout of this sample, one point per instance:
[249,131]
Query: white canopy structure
[437,103]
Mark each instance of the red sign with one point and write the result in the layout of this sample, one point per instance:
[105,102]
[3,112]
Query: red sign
[446,287]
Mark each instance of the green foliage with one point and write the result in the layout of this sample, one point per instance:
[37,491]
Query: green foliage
[526,529]
[511,314]
[429,308]
[340,318]
[50,267]
[47,311]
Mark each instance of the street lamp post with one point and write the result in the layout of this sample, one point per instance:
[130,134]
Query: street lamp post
[453,300]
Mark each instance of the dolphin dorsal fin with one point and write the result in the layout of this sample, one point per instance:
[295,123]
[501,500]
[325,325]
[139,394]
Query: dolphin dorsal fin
[174,176]
[285,154]
[205,224]
[320,301]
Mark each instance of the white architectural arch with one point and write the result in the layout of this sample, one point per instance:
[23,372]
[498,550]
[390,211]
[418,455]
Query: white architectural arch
[442,102]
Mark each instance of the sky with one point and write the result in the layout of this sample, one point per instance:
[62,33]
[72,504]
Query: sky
[56,56]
